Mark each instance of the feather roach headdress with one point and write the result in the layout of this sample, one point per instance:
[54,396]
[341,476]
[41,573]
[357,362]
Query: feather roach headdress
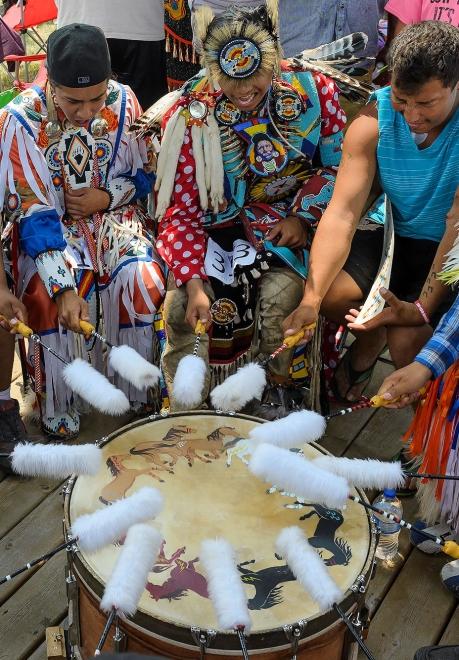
[239,42]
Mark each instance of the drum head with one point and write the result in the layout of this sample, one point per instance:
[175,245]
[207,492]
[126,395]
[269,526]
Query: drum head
[199,463]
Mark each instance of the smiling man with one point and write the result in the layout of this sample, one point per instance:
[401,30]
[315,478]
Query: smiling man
[408,137]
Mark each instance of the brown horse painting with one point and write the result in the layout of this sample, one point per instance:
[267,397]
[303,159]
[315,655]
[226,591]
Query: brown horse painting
[124,478]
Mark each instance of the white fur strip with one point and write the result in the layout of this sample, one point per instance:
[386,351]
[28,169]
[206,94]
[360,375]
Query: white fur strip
[246,384]
[94,530]
[133,367]
[55,461]
[292,473]
[294,430]
[308,567]
[171,151]
[94,388]
[189,380]
[200,174]
[363,472]
[224,583]
[127,582]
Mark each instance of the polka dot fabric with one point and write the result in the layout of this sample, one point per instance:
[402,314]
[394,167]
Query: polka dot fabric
[333,116]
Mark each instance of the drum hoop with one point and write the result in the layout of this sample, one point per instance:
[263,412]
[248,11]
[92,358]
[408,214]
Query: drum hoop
[174,632]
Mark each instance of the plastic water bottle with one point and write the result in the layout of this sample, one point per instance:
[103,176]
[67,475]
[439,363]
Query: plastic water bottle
[389,529]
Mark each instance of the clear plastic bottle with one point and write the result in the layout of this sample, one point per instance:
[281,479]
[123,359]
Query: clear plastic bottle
[389,529]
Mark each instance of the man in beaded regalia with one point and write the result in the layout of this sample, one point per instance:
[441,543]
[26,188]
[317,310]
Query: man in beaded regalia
[248,155]
[78,241]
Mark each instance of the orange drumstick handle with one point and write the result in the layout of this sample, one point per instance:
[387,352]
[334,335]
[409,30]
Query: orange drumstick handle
[378,401]
[87,328]
[293,340]
[19,327]
[200,328]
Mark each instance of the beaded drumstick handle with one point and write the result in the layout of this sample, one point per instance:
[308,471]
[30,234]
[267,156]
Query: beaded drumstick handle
[375,402]
[289,342]
[105,632]
[199,331]
[448,547]
[240,634]
[353,632]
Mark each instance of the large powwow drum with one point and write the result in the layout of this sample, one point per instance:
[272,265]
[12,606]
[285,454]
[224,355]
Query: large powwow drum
[198,461]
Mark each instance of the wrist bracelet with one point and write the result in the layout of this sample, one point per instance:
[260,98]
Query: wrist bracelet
[422,311]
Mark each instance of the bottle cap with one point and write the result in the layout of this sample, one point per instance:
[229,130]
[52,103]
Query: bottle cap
[390,492]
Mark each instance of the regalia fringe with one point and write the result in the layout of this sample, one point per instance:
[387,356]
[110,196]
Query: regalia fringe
[171,146]
[216,189]
[198,154]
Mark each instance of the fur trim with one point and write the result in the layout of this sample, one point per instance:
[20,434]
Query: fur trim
[95,530]
[224,583]
[189,381]
[294,474]
[171,145]
[94,388]
[246,384]
[364,472]
[308,567]
[55,461]
[127,582]
[296,429]
[133,367]
[200,174]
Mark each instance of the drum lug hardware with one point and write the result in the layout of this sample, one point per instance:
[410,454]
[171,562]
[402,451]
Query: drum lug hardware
[118,638]
[101,441]
[294,633]
[359,585]
[202,638]
[68,486]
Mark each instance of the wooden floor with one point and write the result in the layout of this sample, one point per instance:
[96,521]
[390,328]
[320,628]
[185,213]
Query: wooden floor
[409,606]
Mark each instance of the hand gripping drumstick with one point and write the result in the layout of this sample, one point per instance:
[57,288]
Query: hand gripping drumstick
[375,402]
[288,342]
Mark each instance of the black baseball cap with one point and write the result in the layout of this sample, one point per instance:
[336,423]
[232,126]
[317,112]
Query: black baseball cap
[78,56]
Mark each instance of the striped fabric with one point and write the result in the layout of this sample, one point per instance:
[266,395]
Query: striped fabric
[420,183]
[442,350]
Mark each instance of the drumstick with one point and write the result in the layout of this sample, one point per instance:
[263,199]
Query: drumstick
[375,402]
[81,377]
[106,630]
[95,530]
[225,588]
[126,361]
[311,573]
[190,374]
[288,342]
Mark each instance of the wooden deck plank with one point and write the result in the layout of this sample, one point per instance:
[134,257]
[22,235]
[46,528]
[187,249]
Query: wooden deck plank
[25,616]
[451,633]
[18,497]
[414,611]
[44,526]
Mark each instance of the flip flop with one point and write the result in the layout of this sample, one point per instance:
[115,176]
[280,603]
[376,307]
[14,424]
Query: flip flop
[353,378]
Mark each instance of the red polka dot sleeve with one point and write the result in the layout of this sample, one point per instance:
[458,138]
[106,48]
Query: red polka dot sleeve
[333,116]
[181,239]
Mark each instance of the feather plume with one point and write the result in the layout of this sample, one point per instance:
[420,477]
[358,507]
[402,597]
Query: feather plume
[153,117]
[55,461]
[339,49]
[224,583]
[189,381]
[296,429]
[127,582]
[294,474]
[94,388]
[129,364]
[366,473]
[450,272]
[307,567]
[350,87]
[246,384]
[95,530]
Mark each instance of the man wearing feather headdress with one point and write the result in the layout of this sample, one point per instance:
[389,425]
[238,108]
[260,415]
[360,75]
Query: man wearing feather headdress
[70,176]
[245,171]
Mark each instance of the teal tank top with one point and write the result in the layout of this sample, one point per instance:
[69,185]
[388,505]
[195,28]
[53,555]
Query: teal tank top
[420,183]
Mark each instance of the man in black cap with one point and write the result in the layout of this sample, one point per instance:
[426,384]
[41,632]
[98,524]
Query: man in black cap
[79,243]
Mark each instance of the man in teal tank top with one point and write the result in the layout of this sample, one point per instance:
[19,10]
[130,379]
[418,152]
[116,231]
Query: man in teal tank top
[406,140]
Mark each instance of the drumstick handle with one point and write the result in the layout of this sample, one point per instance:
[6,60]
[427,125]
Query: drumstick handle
[44,558]
[240,634]
[353,632]
[105,632]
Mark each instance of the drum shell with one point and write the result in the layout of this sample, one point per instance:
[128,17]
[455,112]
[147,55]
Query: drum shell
[147,635]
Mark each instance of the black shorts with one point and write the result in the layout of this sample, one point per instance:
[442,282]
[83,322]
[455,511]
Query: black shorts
[413,259]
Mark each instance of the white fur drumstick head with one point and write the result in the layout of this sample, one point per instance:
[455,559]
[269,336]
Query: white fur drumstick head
[294,430]
[224,583]
[366,473]
[127,582]
[94,388]
[133,367]
[246,384]
[189,381]
[307,567]
[55,461]
[95,530]
[291,472]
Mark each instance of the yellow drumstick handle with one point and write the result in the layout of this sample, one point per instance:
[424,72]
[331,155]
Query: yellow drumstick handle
[87,328]
[451,548]
[293,340]
[19,327]
[200,328]
[378,401]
